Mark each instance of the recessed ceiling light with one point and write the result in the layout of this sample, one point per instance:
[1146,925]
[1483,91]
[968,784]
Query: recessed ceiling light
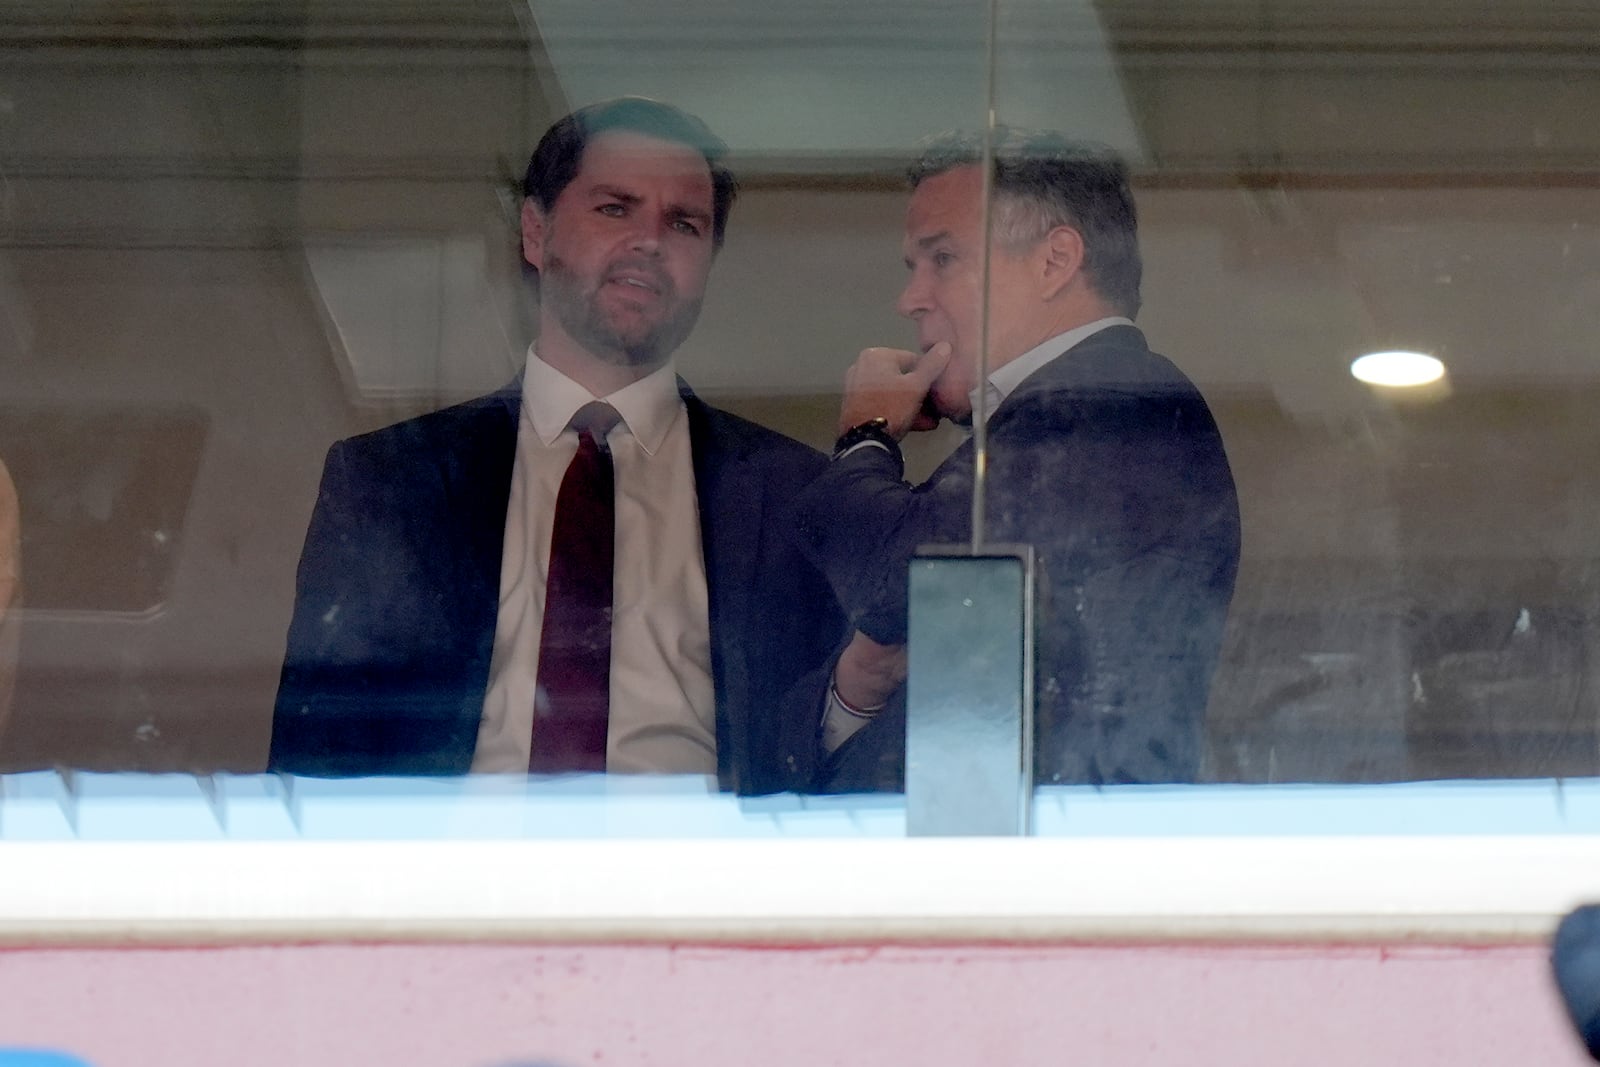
[1398,370]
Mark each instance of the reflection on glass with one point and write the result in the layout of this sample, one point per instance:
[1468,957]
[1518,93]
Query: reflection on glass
[230,245]
[107,493]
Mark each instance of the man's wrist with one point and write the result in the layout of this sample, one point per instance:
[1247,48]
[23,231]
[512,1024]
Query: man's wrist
[868,673]
[859,711]
[842,720]
[874,433]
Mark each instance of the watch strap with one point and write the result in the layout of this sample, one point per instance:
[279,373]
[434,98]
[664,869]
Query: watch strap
[873,433]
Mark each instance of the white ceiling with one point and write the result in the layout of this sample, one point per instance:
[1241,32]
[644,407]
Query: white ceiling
[814,80]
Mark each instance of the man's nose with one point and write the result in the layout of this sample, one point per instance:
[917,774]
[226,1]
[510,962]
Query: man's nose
[646,235]
[913,299]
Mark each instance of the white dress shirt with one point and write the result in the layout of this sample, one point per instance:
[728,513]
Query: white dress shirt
[1004,380]
[840,722]
[663,705]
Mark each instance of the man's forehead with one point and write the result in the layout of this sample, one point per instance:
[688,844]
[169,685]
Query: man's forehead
[946,206]
[618,155]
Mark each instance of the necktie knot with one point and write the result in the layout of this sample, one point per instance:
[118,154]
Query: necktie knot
[595,418]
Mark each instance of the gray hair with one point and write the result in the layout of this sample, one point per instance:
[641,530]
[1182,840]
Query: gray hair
[1042,180]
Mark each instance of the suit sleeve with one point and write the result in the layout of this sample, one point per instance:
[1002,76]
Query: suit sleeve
[1126,498]
[321,668]
[860,524]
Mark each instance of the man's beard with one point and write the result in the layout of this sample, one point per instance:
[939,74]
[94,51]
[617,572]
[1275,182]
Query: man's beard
[603,334]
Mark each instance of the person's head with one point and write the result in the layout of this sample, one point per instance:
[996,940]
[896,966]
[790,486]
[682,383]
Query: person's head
[625,206]
[1063,248]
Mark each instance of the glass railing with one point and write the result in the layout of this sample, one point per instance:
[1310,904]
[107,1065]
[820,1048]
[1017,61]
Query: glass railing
[287,496]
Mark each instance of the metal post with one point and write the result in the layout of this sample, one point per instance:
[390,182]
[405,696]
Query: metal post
[969,696]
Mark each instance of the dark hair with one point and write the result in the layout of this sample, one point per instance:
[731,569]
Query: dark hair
[1043,180]
[560,153]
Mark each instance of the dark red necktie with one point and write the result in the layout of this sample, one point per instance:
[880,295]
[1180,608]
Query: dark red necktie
[573,697]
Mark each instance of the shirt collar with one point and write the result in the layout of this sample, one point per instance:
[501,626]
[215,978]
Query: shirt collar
[648,406]
[1004,380]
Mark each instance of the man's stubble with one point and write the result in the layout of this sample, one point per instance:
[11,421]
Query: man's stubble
[600,332]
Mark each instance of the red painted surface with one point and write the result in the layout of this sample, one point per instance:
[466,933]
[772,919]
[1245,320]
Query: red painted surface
[484,1005]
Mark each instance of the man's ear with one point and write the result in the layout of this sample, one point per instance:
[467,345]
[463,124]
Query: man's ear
[1063,260]
[533,233]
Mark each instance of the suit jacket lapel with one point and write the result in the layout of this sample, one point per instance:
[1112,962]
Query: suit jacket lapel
[730,502]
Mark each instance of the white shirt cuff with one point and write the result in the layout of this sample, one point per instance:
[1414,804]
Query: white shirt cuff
[840,721]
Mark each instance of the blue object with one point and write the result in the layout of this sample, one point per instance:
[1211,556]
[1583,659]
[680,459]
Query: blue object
[28,1057]
[1575,957]
[37,806]
[144,807]
[47,806]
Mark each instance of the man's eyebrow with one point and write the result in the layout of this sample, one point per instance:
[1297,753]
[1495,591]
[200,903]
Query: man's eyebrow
[925,243]
[688,211]
[614,192]
[626,196]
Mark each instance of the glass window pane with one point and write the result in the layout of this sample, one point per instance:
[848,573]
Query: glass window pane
[238,241]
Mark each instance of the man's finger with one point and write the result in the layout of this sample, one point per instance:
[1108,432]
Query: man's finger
[933,363]
[904,359]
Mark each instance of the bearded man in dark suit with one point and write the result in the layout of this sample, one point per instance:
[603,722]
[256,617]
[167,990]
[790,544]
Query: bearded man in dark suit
[422,624]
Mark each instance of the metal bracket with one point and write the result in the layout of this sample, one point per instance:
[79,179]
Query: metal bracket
[969,695]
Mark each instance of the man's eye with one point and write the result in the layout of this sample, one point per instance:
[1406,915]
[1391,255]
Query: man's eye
[943,259]
[615,211]
[687,228]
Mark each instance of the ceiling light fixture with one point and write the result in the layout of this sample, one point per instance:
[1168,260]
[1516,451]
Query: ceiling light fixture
[1397,370]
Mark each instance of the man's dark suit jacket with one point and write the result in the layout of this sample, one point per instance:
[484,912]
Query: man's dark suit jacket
[399,587]
[1108,462]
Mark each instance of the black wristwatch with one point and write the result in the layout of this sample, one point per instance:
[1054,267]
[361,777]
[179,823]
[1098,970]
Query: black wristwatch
[874,432]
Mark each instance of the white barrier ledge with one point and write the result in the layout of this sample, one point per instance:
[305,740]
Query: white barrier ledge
[1488,888]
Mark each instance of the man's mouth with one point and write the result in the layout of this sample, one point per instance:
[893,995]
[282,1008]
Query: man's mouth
[642,280]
